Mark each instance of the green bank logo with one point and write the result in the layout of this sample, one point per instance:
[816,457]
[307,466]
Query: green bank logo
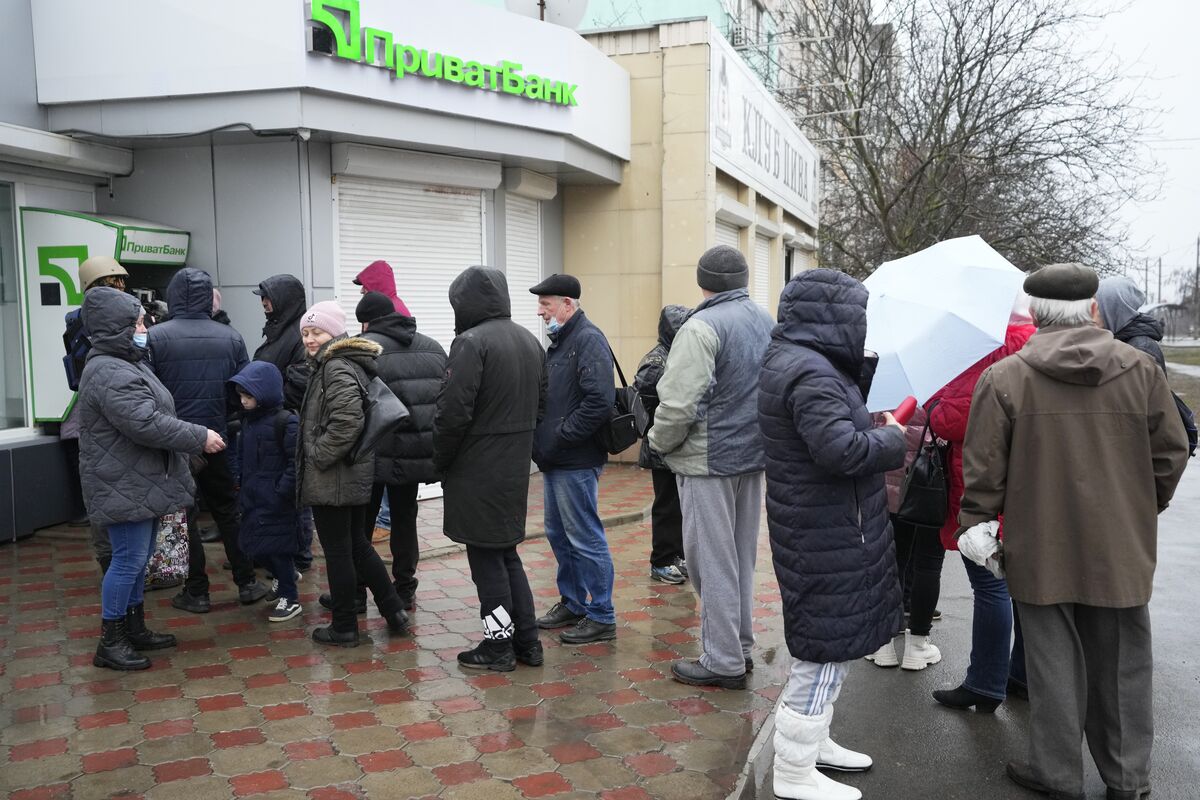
[342,35]
[61,277]
[133,248]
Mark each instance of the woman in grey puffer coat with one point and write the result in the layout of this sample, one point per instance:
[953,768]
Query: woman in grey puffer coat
[133,464]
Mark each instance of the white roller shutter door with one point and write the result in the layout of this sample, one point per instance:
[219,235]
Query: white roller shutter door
[727,234]
[760,288]
[429,234]
[523,258]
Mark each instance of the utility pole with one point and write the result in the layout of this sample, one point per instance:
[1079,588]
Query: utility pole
[1146,276]
[1160,279]
[1196,288]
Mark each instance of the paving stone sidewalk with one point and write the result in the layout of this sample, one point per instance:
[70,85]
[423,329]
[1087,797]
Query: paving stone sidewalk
[243,707]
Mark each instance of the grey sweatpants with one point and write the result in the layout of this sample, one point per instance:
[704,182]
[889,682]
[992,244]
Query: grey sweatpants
[720,543]
[1090,673]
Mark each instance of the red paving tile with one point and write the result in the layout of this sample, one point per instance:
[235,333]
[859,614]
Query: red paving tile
[112,759]
[457,705]
[571,752]
[384,761]
[543,785]
[265,680]
[157,693]
[237,738]
[180,770]
[258,783]
[170,727]
[673,732]
[356,719]
[648,765]
[423,730]
[59,791]
[302,751]
[454,774]
[38,749]
[220,702]
[103,719]
[496,742]
[285,711]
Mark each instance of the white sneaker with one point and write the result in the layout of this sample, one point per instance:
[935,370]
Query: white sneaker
[884,656]
[918,652]
[284,610]
[832,755]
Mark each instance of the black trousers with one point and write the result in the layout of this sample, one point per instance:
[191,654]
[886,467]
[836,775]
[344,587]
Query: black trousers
[505,600]
[666,520]
[402,498]
[349,556]
[215,485]
[919,559]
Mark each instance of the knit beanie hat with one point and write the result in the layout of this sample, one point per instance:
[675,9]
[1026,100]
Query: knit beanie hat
[373,306]
[326,315]
[721,269]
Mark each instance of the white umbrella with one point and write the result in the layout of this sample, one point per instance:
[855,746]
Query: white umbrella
[933,314]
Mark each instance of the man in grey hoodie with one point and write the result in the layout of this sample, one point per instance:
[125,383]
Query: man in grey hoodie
[1119,300]
[706,429]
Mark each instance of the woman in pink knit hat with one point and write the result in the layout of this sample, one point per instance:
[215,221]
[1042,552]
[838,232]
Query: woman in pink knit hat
[337,488]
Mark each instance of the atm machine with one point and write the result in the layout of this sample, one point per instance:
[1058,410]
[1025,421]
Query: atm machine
[35,481]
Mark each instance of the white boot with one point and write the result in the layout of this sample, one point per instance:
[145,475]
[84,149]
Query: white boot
[798,740]
[918,652]
[833,756]
[884,656]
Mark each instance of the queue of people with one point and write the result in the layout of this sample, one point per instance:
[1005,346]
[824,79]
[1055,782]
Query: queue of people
[736,404]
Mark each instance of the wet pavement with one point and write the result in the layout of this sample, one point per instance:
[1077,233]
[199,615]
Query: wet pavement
[244,707]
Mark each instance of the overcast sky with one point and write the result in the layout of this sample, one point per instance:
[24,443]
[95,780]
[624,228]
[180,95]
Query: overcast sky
[1161,38]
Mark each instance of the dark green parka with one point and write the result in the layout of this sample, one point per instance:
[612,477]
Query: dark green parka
[331,420]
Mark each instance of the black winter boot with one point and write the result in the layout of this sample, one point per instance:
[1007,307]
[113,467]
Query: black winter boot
[141,637]
[104,563]
[115,651]
[531,655]
[493,654]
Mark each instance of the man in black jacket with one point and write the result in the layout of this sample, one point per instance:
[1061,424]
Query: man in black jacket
[412,365]
[579,400]
[487,410]
[195,356]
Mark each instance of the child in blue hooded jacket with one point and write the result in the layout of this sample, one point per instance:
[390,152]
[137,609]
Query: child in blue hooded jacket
[267,500]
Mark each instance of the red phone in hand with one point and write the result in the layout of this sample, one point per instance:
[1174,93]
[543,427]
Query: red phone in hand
[905,410]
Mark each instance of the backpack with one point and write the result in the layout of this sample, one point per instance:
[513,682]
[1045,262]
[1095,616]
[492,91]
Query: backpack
[1189,423]
[77,345]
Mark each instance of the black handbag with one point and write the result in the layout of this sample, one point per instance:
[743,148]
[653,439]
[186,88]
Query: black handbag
[924,496]
[382,413]
[620,432]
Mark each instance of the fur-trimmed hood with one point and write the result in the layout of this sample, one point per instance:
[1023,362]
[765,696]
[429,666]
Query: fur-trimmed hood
[362,352]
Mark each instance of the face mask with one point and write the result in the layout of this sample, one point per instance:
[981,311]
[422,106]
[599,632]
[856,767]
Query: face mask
[141,339]
[553,326]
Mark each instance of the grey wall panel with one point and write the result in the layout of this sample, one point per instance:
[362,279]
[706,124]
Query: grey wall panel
[18,90]
[257,190]
[321,213]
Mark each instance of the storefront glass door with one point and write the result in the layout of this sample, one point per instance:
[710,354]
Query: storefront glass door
[12,361]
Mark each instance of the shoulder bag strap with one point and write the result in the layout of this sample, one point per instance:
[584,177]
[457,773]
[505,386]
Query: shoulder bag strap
[617,364]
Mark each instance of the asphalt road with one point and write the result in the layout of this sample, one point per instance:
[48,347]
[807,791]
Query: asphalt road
[923,750]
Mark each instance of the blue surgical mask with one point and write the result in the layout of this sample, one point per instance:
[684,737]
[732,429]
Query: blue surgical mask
[553,326]
[141,339]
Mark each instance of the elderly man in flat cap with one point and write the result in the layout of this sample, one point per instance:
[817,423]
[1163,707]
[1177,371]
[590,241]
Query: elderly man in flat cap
[579,401]
[1076,441]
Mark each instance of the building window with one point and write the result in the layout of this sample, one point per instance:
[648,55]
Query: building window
[12,359]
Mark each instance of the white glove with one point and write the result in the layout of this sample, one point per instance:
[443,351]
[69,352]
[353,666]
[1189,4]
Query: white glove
[979,543]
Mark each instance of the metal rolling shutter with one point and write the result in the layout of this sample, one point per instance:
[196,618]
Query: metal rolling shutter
[727,234]
[523,258]
[429,234]
[760,288]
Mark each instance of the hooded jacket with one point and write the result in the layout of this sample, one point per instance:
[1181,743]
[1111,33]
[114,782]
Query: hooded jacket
[650,371]
[331,420]
[282,345]
[831,539]
[412,365]
[579,397]
[706,422]
[195,356]
[378,277]
[132,448]
[487,410]
[950,409]
[1077,442]
[1119,299]
[267,498]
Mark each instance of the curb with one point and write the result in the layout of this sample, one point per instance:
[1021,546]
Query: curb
[752,783]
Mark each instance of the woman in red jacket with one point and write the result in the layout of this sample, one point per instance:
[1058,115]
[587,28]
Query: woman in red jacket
[995,671]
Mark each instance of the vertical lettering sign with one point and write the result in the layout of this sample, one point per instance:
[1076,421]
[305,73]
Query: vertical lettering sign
[337,31]
[753,139]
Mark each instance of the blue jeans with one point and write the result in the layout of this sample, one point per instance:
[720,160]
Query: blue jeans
[995,657]
[132,546]
[585,567]
[384,518]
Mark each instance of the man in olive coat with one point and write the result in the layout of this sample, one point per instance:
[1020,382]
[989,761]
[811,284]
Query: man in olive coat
[1077,442]
[483,427]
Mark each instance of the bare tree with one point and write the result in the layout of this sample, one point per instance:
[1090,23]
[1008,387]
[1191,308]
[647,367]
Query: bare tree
[943,118]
